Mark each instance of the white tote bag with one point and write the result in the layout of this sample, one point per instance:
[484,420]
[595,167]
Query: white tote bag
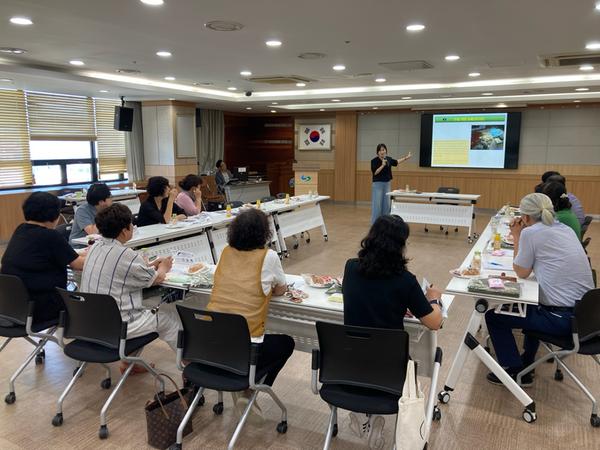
[411,427]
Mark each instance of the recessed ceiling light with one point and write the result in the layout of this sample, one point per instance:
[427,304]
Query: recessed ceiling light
[452,58]
[501,105]
[322,109]
[13,50]
[274,103]
[153,2]
[582,89]
[248,108]
[415,27]
[474,74]
[273,111]
[406,98]
[586,67]
[335,100]
[171,99]
[21,21]
[375,107]
[246,73]
[232,88]
[487,93]
[598,6]
[576,101]
[300,84]
[170,78]
[6,80]
[273,43]
[380,80]
[104,91]
[593,46]
[339,67]
[164,54]
[76,62]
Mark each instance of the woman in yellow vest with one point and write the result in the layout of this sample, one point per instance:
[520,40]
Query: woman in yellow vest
[247,275]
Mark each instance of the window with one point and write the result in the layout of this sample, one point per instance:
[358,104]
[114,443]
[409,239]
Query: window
[63,162]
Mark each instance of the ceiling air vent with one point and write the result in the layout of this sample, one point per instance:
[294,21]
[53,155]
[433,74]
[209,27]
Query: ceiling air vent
[403,66]
[280,79]
[129,71]
[569,59]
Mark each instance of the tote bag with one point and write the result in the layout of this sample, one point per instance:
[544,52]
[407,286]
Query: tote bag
[411,426]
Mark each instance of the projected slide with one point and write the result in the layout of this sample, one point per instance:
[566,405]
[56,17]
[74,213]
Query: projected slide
[468,140]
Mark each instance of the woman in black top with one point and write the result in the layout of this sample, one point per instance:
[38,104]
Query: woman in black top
[39,255]
[382,177]
[378,288]
[160,204]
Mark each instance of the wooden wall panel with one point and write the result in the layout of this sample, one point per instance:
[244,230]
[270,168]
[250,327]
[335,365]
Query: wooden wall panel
[12,214]
[345,156]
[326,182]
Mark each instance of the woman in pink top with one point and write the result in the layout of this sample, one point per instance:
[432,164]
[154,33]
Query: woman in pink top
[190,198]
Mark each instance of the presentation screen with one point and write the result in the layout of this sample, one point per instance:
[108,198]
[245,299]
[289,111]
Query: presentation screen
[470,140]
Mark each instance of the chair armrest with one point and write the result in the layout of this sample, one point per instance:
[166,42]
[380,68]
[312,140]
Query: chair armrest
[254,355]
[180,365]
[316,355]
[123,340]
[29,321]
[575,334]
[60,332]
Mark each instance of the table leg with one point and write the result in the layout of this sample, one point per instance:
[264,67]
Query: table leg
[284,250]
[211,243]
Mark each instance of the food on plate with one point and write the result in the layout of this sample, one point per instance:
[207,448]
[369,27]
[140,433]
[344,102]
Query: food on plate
[336,298]
[195,268]
[295,295]
[321,279]
[468,272]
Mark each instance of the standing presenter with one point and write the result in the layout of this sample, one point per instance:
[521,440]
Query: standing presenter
[381,167]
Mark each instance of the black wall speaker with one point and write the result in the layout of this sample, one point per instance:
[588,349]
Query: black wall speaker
[198,118]
[123,118]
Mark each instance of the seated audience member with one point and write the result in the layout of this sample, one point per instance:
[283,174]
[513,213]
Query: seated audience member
[378,290]
[576,206]
[39,255]
[562,206]
[551,250]
[247,275]
[222,176]
[160,205]
[190,197]
[113,269]
[97,198]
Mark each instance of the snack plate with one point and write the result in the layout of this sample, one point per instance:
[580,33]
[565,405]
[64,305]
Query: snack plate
[457,273]
[309,282]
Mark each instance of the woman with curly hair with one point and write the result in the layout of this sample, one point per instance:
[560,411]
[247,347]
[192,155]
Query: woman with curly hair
[247,275]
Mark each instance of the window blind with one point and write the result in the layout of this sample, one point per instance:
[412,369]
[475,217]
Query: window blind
[15,165]
[111,143]
[60,117]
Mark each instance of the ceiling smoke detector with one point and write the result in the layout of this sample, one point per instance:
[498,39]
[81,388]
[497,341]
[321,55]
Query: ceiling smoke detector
[223,25]
[311,55]
[129,71]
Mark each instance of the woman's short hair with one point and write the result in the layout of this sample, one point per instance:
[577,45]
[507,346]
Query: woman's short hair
[382,250]
[96,193]
[41,207]
[156,186]
[114,219]
[249,231]
[219,162]
[380,147]
[190,181]
[548,174]
[558,194]
[539,207]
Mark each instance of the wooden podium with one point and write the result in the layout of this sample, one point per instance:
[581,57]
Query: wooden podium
[306,178]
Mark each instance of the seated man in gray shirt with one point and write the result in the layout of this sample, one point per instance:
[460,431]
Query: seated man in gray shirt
[97,198]
[553,252]
[113,269]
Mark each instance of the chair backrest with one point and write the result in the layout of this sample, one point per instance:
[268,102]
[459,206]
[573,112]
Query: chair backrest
[14,299]
[366,357]
[586,242]
[92,318]
[448,190]
[585,225]
[64,229]
[587,315]
[216,339]
[236,204]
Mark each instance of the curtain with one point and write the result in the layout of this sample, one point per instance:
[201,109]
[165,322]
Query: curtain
[15,164]
[211,137]
[110,142]
[134,145]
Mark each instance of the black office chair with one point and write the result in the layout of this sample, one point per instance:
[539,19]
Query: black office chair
[99,335]
[361,370]
[585,340]
[446,190]
[17,310]
[281,195]
[64,229]
[221,357]
[269,198]
[585,225]
[586,242]
[236,204]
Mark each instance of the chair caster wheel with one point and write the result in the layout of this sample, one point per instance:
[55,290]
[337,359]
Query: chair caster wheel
[426,230]
[476,235]
[175,447]
[10,398]
[282,427]
[470,241]
[103,433]
[57,420]
[296,246]
[105,384]
[308,241]
[446,233]
[335,430]
[595,420]
[441,228]
[437,414]
[529,416]
[444,397]
[558,375]
[39,359]
[201,401]
[218,409]
[326,238]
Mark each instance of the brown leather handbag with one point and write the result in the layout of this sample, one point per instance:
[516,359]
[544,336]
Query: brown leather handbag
[165,413]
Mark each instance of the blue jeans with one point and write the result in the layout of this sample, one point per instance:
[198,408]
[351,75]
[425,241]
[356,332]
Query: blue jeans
[538,318]
[380,203]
